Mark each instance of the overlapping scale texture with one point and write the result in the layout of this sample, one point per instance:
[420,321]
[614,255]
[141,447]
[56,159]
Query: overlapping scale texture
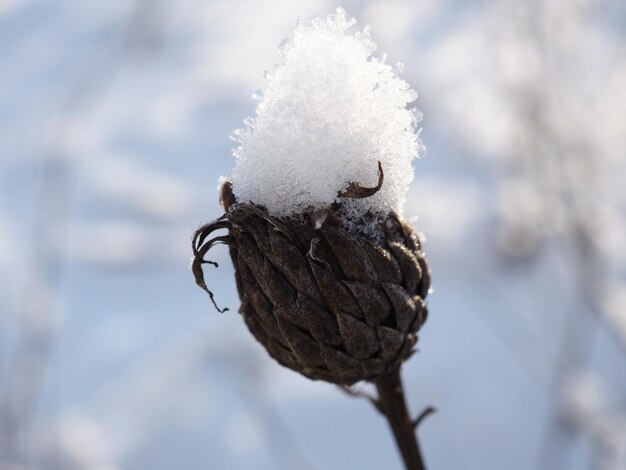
[323,302]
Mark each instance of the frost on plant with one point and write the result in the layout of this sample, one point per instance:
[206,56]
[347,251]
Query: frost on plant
[329,113]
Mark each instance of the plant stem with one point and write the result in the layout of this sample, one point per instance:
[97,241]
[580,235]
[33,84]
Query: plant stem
[393,405]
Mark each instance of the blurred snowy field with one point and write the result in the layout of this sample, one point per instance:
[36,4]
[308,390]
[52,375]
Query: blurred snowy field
[114,124]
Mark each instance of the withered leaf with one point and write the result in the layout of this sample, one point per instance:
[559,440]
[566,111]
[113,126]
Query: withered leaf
[356,191]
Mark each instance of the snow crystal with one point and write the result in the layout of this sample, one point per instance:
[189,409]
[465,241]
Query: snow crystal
[329,113]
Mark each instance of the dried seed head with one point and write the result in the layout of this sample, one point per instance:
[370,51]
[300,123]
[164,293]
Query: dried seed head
[324,302]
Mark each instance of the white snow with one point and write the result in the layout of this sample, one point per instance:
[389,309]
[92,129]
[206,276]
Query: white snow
[329,113]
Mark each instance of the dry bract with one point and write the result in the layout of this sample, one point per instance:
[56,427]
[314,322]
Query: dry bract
[326,303]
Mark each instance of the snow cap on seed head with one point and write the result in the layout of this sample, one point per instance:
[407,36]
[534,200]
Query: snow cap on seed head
[329,113]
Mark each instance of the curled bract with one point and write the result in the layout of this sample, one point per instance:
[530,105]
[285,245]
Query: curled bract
[324,302]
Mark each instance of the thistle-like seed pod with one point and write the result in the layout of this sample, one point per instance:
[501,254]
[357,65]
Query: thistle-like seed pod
[324,302]
[332,281]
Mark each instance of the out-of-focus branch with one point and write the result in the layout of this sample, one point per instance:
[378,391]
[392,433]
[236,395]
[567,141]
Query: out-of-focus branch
[563,173]
[38,316]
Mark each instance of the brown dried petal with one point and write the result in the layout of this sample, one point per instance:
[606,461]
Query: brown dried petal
[321,322]
[335,293]
[276,287]
[250,253]
[293,265]
[373,366]
[320,251]
[424,285]
[386,267]
[374,304]
[356,191]
[337,360]
[411,271]
[405,234]
[351,256]
[307,350]
[403,306]
[227,197]
[262,305]
[391,340]
[408,346]
[359,339]
[422,312]
[287,314]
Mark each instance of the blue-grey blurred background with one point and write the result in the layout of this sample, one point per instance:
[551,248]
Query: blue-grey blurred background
[114,123]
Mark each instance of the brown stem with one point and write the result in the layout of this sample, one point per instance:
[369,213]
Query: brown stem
[393,405]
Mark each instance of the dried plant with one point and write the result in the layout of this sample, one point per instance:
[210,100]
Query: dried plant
[328,304]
